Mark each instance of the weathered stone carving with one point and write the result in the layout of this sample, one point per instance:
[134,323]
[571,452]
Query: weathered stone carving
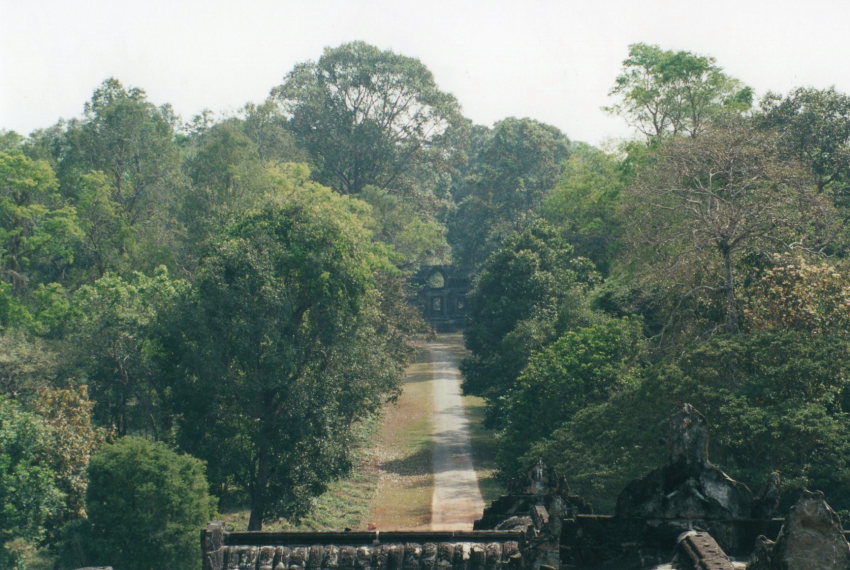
[362,551]
[699,551]
[537,505]
[810,539]
[688,490]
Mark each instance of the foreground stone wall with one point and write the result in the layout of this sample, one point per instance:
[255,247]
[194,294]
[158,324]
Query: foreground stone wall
[361,550]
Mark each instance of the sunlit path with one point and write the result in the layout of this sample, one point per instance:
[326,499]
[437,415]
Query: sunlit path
[457,499]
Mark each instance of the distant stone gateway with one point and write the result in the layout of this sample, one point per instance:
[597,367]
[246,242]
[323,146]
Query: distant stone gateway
[441,292]
[685,515]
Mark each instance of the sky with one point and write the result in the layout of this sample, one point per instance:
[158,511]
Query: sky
[550,60]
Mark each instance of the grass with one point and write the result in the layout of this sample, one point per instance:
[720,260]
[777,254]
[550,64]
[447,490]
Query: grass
[484,450]
[344,505]
[404,451]
[391,484]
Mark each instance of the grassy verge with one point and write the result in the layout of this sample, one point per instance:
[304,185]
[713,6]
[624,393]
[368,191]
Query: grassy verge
[484,449]
[404,449]
[391,485]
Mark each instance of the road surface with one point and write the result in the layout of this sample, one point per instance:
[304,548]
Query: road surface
[457,501]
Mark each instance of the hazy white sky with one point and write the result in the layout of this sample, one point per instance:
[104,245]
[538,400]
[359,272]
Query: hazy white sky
[551,60]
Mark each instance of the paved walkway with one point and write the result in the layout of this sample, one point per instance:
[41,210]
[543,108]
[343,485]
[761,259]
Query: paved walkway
[457,501]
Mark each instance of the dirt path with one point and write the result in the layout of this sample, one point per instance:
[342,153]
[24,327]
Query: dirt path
[457,501]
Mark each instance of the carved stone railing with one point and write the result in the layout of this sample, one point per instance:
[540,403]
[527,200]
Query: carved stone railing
[373,550]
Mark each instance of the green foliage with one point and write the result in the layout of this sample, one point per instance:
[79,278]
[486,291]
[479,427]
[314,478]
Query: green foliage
[815,129]
[582,368]
[268,128]
[585,204]
[288,336]
[364,115]
[773,398]
[526,294]
[112,343]
[133,144]
[517,164]
[146,506]
[28,492]
[395,221]
[26,365]
[38,234]
[666,92]
[10,140]
[107,241]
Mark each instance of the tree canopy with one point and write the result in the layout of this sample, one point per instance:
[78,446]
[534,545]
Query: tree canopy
[366,116]
[674,92]
[144,489]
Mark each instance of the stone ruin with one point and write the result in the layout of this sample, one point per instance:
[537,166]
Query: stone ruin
[224,550]
[686,515]
[812,538]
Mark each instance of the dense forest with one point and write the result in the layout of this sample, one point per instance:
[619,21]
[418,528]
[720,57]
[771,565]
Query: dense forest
[203,312]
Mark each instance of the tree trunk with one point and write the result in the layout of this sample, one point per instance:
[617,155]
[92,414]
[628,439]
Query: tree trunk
[258,494]
[256,520]
[731,302]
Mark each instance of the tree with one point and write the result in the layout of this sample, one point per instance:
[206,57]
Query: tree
[113,343]
[287,336]
[268,128]
[28,492]
[132,142]
[364,115]
[10,140]
[415,240]
[517,164]
[799,294]
[227,176]
[815,129]
[585,202]
[528,292]
[772,400]
[38,234]
[666,92]
[107,235]
[73,440]
[583,367]
[146,506]
[705,202]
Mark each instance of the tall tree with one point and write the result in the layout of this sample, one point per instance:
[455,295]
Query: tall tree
[112,343]
[528,292]
[39,235]
[815,127]
[365,116]
[677,92]
[284,337]
[703,203]
[517,164]
[584,203]
[133,143]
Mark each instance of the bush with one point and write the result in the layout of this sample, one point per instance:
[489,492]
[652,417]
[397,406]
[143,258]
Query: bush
[146,505]
[28,492]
